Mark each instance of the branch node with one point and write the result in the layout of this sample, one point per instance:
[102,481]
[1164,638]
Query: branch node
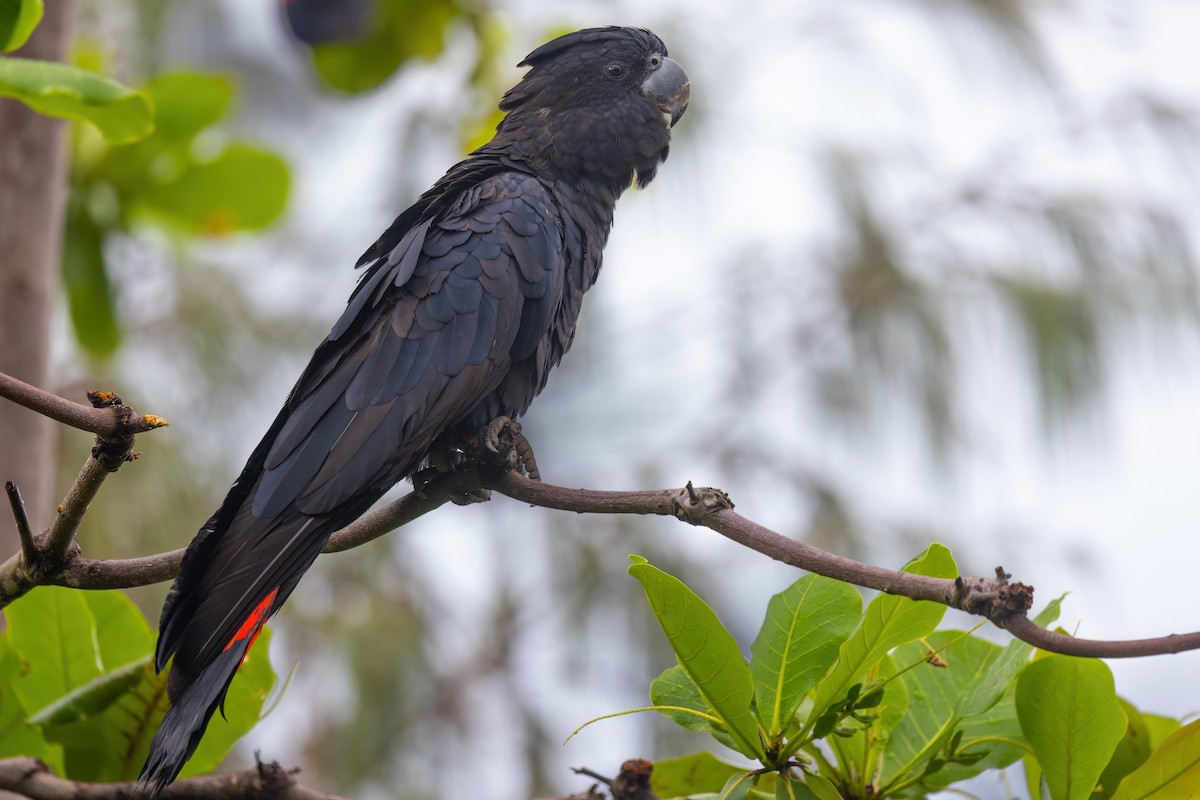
[694,505]
[102,399]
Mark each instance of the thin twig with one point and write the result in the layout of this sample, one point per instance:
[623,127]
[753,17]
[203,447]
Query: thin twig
[1001,602]
[24,531]
[70,513]
[106,422]
[86,573]
[30,778]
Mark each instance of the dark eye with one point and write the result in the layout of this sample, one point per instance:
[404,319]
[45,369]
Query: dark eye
[615,70]
[655,61]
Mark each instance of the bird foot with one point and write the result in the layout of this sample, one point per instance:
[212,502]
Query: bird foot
[502,442]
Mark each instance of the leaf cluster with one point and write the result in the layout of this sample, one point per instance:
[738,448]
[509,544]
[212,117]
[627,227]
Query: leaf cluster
[838,701]
[78,687]
[184,179]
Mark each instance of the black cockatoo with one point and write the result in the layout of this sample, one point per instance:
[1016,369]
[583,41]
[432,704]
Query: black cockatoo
[466,303]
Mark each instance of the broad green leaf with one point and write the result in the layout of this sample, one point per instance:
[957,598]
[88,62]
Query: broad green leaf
[674,688]
[241,189]
[1070,717]
[89,294]
[1171,773]
[792,789]
[122,632]
[889,622]
[995,734]
[1132,751]
[17,737]
[121,114]
[110,742]
[1159,728]
[1004,669]
[185,103]
[936,696]
[798,643]
[822,787]
[1034,778]
[18,18]
[93,698]
[737,787]
[706,652]
[401,30]
[694,774]
[243,707]
[53,634]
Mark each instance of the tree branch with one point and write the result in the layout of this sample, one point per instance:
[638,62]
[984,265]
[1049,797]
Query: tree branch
[43,556]
[85,573]
[30,778]
[111,420]
[1004,603]
[24,531]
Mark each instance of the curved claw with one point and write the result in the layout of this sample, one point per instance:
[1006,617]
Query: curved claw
[502,437]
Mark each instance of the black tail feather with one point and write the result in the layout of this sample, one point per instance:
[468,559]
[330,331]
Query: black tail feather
[187,718]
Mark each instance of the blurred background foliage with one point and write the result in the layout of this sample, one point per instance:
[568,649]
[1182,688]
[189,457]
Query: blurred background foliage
[203,264]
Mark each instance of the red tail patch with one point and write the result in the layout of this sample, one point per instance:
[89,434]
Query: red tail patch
[254,623]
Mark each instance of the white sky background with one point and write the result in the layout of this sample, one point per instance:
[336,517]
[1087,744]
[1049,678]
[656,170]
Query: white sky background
[1108,511]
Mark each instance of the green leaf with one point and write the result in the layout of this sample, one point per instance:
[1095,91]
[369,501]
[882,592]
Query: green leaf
[798,643]
[737,787]
[185,103]
[109,738]
[17,737]
[1132,751]
[937,695]
[53,634]
[889,622]
[822,787]
[121,114]
[1070,717]
[995,734]
[89,294]
[1004,669]
[122,633]
[792,789]
[109,741]
[1172,771]
[706,652]
[1159,728]
[93,698]
[694,774]
[674,688]
[401,30]
[18,18]
[1034,778]
[61,640]
[241,189]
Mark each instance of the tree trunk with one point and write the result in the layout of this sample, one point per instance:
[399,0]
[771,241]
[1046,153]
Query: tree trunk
[33,188]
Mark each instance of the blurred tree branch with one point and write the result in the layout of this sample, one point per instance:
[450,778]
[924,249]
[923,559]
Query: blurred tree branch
[58,561]
[29,777]
[33,192]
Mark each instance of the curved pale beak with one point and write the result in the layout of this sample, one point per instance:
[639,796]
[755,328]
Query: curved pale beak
[670,90]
